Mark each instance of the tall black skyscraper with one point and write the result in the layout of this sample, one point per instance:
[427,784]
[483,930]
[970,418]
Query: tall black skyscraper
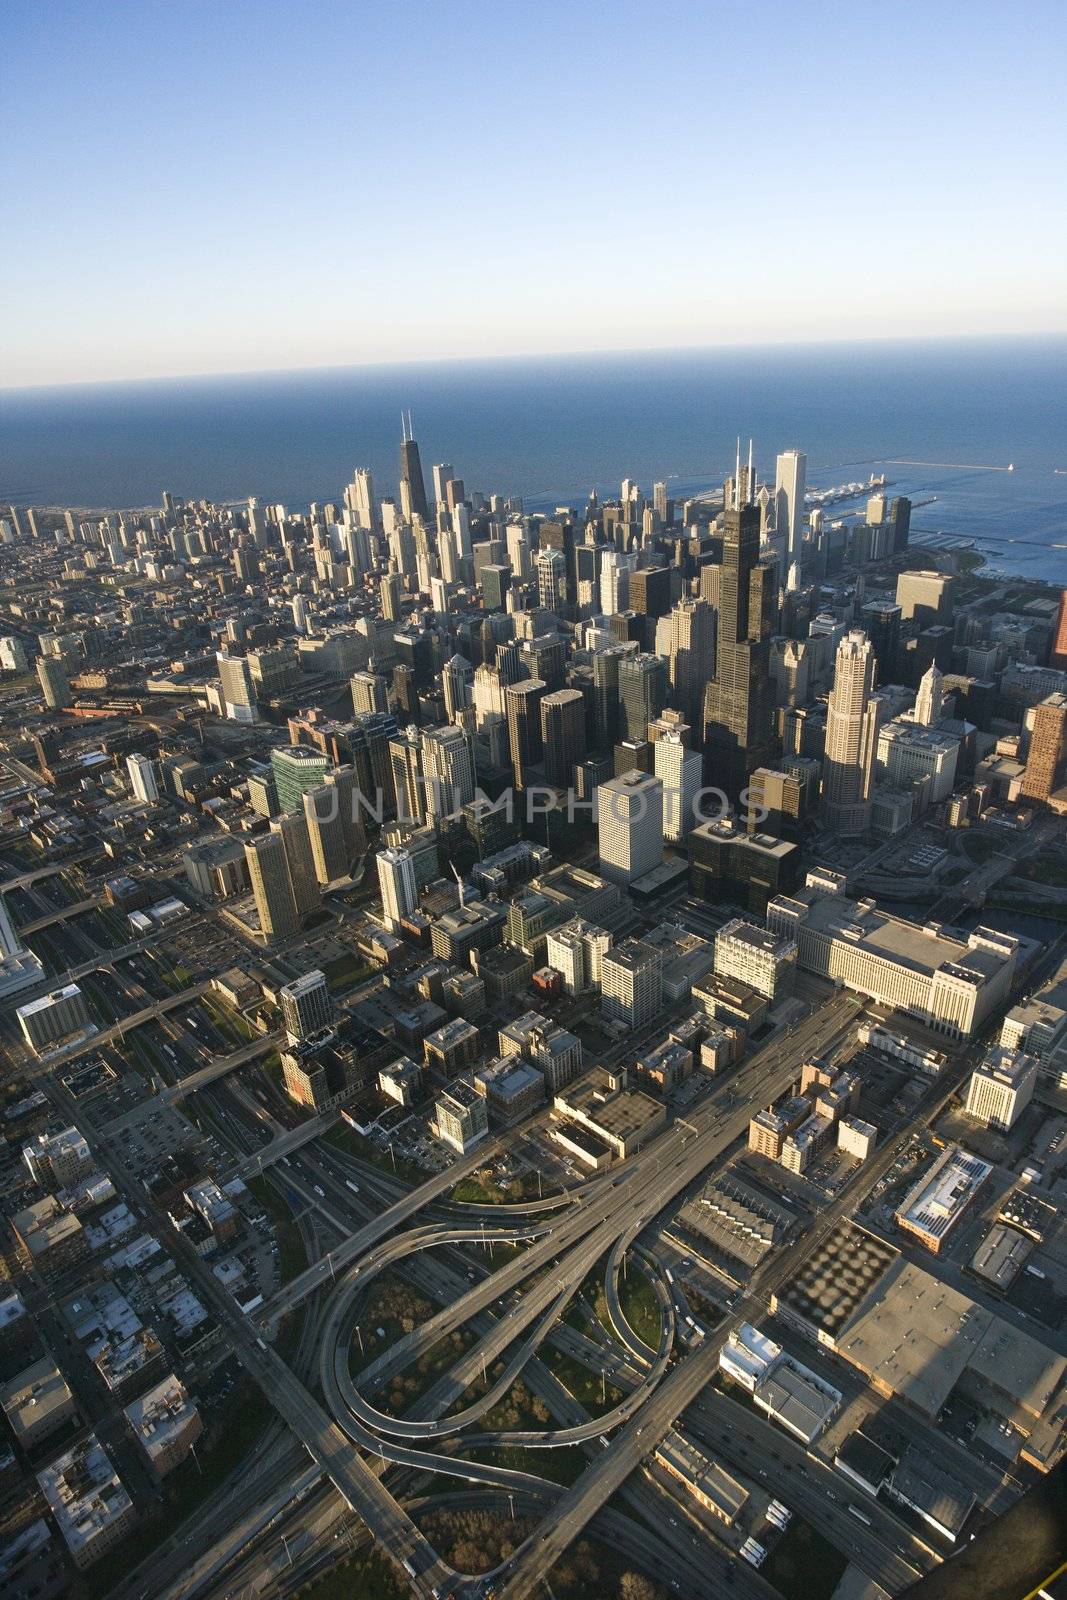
[411,468]
[738,708]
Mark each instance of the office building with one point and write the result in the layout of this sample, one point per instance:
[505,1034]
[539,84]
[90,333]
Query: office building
[615,569]
[763,960]
[307,1008]
[405,769]
[144,778]
[55,685]
[681,772]
[19,967]
[1001,1087]
[399,890]
[296,768]
[550,568]
[744,869]
[631,983]
[412,483]
[58,1160]
[282,873]
[908,751]
[53,1017]
[738,704]
[629,816]
[951,984]
[462,1117]
[457,680]
[851,737]
[370,693]
[789,488]
[925,598]
[1048,749]
[562,734]
[448,771]
[690,657]
[642,693]
[236,687]
[522,702]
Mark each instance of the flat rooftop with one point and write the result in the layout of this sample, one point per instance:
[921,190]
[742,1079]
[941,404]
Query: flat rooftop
[837,1277]
[917,1337]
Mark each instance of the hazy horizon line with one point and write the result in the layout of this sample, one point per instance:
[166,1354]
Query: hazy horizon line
[533,357]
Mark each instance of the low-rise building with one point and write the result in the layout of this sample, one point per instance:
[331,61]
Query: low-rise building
[856,1137]
[947,981]
[709,1483]
[555,1051]
[88,1500]
[937,1203]
[512,1088]
[37,1402]
[166,1424]
[49,1237]
[58,1160]
[621,1118]
[401,1081]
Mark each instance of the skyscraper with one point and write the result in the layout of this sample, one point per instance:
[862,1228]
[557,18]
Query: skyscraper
[681,772]
[389,589]
[369,693]
[615,570]
[930,698]
[457,676]
[691,659]
[405,762]
[738,706]
[851,737]
[606,665]
[411,470]
[642,693]
[396,879]
[55,685]
[296,768]
[442,476]
[292,830]
[1048,748]
[271,888]
[522,703]
[629,814]
[790,481]
[306,1006]
[448,770]
[563,734]
[551,568]
[144,778]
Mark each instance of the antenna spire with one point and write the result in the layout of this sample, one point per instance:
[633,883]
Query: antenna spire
[737,476]
[748,484]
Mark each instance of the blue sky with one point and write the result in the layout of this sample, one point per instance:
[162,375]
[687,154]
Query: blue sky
[231,186]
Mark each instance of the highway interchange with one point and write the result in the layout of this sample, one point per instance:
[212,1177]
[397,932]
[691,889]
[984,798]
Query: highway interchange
[365,1461]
